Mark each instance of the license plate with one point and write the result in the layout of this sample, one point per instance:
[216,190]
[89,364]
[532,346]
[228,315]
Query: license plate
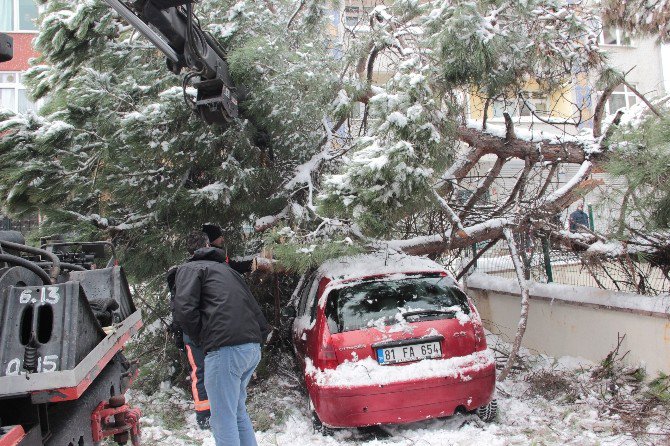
[407,353]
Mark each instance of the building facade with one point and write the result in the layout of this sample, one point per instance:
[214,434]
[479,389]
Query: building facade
[17,18]
[571,109]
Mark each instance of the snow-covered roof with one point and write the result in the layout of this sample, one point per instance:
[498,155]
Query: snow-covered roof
[377,263]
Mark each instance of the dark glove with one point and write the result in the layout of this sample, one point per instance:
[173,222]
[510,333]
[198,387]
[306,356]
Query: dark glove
[103,310]
[177,336]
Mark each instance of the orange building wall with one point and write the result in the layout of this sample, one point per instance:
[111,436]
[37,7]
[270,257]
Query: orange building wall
[23,50]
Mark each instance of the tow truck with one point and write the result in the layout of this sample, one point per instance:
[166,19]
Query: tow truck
[64,321]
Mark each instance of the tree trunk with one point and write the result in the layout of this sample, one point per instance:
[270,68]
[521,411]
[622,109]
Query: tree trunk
[523,319]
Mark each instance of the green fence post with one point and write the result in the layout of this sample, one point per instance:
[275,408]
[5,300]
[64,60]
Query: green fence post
[547,260]
[591,217]
[474,254]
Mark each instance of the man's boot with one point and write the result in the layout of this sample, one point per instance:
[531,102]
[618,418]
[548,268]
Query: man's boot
[202,418]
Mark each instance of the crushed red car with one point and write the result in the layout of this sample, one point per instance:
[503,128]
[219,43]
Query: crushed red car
[387,338]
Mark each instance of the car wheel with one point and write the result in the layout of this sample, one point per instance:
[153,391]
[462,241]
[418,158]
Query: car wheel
[317,424]
[320,427]
[488,412]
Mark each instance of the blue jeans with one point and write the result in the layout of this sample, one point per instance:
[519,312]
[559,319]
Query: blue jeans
[229,370]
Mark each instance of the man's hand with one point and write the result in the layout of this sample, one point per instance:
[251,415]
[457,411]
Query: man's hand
[177,337]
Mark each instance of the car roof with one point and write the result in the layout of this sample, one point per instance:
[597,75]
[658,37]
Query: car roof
[375,264]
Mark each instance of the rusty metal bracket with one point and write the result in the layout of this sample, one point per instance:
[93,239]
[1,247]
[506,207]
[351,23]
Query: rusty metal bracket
[116,418]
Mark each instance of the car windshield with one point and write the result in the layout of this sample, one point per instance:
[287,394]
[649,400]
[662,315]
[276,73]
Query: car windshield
[385,302]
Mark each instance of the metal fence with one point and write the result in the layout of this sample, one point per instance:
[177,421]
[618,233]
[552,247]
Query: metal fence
[545,263]
[24,225]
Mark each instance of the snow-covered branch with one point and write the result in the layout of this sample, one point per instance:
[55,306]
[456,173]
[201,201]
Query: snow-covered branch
[493,227]
[525,145]
[133,222]
[525,297]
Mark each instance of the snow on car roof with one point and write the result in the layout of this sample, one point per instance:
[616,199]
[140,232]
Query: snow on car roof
[377,263]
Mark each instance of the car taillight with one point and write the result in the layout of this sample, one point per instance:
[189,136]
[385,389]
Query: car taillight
[480,337]
[326,356]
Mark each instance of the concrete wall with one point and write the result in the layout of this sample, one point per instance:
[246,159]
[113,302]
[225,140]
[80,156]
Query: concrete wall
[578,321]
[643,61]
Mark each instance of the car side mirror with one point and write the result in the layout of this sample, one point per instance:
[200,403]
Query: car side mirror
[288,312]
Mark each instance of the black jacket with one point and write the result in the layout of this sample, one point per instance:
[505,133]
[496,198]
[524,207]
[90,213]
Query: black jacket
[578,219]
[213,304]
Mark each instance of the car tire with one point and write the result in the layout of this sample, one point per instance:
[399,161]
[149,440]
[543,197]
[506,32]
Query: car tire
[488,412]
[317,424]
[320,427]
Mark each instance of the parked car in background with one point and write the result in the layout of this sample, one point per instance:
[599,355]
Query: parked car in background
[388,338]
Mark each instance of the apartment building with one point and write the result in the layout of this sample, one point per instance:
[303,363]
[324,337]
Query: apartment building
[17,18]
[639,58]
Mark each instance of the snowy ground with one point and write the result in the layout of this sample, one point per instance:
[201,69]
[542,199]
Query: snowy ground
[551,402]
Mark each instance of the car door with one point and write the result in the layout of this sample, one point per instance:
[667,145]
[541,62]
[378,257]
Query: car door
[301,324]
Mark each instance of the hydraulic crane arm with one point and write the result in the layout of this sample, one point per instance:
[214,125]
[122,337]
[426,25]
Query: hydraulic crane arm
[170,26]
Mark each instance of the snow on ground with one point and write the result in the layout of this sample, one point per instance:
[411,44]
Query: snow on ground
[570,415]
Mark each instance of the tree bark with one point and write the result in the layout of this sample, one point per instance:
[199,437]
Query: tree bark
[566,152]
[525,294]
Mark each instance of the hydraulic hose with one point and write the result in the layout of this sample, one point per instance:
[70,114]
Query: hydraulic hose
[65,266]
[32,266]
[55,261]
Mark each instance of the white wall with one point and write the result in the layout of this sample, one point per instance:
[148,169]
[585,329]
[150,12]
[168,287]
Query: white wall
[578,321]
[643,60]
[665,62]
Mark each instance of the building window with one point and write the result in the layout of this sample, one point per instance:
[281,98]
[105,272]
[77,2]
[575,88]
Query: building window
[357,14]
[621,97]
[539,101]
[18,15]
[13,93]
[614,36]
[351,16]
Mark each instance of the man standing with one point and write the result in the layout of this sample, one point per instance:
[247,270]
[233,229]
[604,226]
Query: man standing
[578,219]
[195,355]
[215,308]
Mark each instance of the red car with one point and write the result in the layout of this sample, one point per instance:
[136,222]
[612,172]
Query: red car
[389,338]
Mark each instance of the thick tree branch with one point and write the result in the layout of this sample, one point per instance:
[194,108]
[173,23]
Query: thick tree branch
[599,111]
[485,114]
[509,128]
[484,143]
[477,255]
[269,221]
[525,298]
[460,168]
[642,97]
[518,189]
[547,181]
[483,186]
[363,61]
[453,218]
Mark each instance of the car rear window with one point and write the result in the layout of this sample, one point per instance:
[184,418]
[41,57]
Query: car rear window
[386,302]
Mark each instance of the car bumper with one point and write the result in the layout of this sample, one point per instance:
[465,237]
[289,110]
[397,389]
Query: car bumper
[402,402]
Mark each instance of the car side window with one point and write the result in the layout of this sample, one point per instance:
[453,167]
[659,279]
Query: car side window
[304,294]
[312,303]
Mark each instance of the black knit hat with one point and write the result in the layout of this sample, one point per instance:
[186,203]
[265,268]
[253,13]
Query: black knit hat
[213,231]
